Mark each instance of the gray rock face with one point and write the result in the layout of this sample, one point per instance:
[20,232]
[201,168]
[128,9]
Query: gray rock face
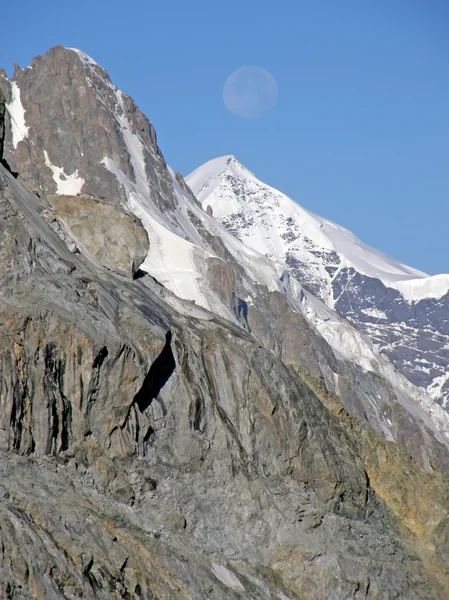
[150,448]
[114,238]
[235,482]
[68,118]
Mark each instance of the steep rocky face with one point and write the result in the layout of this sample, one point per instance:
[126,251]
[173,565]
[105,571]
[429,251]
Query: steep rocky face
[236,481]
[70,131]
[2,122]
[401,309]
[326,346]
[153,449]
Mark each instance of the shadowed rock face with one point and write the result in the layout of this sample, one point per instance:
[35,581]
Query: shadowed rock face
[149,451]
[158,375]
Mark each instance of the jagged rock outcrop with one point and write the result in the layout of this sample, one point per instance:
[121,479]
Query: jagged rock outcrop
[67,130]
[150,448]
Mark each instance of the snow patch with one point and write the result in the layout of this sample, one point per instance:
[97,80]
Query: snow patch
[354,346]
[226,576]
[374,312]
[85,59]
[435,389]
[172,259]
[17,114]
[69,185]
[435,286]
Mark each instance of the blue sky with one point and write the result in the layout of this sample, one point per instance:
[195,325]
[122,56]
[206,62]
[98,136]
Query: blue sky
[360,133]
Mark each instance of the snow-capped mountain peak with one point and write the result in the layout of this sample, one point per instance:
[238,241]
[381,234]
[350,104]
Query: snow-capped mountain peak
[275,225]
[400,308]
[204,180]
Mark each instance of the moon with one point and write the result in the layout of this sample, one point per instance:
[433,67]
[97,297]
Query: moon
[250,92]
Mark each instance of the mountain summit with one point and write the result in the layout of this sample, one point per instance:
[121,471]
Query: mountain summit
[402,309]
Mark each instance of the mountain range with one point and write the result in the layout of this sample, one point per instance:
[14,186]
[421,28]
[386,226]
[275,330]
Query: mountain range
[206,390]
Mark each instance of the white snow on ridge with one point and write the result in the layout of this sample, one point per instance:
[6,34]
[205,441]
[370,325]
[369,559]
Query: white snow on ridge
[435,286]
[178,254]
[258,267]
[70,185]
[274,225]
[17,114]
[354,346]
[172,259]
[87,60]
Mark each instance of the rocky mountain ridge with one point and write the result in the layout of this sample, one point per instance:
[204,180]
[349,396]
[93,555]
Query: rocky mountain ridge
[152,448]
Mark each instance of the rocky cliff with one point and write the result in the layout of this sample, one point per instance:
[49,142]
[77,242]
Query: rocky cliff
[151,448]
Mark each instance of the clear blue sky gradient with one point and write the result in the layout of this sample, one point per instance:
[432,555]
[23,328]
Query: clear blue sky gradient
[360,133]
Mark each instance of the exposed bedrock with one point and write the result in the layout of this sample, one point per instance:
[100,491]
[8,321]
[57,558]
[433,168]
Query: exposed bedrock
[111,236]
[240,478]
[152,449]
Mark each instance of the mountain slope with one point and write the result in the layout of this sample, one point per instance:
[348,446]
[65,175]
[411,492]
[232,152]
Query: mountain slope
[401,309]
[234,481]
[152,448]
[191,254]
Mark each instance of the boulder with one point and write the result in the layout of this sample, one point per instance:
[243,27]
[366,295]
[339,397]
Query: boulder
[114,238]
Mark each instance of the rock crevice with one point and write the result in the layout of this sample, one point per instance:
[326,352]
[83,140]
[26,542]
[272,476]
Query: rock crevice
[158,375]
